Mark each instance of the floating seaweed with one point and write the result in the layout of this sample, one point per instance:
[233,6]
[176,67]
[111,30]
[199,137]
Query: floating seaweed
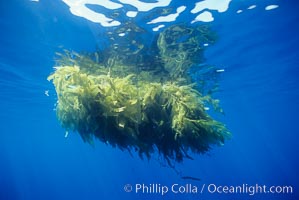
[133,107]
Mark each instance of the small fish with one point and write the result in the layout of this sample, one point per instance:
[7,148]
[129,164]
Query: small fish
[190,178]
[121,109]
[47,93]
[220,70]
[66,134]
[133,101]
[121,125]
[72,86]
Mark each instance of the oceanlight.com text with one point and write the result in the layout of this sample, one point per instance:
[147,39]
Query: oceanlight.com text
[249,189]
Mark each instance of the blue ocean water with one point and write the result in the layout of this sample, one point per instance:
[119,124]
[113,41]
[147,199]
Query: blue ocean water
[259,93]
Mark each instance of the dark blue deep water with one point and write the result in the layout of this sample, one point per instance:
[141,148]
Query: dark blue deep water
[259,93]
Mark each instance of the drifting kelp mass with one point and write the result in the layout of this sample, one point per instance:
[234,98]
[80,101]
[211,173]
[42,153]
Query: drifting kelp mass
[141,97]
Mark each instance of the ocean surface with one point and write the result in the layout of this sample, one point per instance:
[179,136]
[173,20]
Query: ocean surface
[257,51]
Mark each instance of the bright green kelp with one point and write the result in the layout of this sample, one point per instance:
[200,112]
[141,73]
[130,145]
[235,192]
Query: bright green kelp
[139,108]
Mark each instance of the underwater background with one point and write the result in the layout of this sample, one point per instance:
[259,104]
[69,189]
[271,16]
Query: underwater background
[259,91]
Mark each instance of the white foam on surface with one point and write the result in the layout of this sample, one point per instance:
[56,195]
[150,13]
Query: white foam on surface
[271,7]
[105,3]
[202,8]
[170,17]
[251,7]
[205,16]
[131,13]
[143,6]
[219,5]
[79,8]
[158,27]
